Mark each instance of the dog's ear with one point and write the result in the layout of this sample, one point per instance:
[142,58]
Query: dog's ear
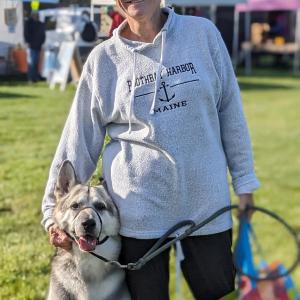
[66,179]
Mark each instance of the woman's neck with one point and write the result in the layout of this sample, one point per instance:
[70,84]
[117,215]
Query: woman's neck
[145,29]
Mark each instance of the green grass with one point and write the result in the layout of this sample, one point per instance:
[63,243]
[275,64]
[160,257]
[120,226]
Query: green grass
[31,120]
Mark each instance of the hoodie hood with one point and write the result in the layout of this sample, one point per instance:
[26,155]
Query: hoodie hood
[137,47]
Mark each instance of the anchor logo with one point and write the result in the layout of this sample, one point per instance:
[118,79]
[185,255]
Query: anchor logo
[164,86]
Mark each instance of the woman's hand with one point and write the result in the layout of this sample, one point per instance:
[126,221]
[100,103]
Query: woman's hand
[58,238]
[245,201]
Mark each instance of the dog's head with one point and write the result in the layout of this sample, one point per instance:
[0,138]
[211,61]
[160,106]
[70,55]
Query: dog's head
[85,212]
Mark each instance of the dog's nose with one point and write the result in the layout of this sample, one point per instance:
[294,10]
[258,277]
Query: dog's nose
[89,224]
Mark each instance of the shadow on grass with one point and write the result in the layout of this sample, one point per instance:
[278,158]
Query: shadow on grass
[14,96]
[5,209]
[297,229]
[17,79]
[248,86]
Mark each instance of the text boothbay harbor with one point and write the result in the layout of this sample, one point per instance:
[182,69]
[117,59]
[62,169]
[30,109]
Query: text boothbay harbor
[166,90]
[175,70]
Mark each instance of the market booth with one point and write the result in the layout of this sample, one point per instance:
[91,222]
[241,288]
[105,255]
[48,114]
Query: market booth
[276,47]
[12,51]
[11,30]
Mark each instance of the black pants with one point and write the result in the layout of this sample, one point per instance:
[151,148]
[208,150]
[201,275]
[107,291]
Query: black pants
[208,267]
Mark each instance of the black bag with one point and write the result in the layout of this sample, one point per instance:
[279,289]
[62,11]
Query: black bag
[89,33]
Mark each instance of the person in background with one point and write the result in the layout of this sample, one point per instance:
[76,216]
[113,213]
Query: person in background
[278,25]
[117,19]
[87,28]
[34,34]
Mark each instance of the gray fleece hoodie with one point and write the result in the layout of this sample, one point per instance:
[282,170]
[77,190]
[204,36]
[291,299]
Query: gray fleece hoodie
[173,112]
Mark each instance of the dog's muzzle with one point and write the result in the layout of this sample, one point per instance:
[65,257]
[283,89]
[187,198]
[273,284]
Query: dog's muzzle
[88,242]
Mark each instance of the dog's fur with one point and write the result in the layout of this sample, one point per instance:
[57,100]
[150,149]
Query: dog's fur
[76,274]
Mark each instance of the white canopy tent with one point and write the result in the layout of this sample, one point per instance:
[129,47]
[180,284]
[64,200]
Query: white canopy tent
[11,35]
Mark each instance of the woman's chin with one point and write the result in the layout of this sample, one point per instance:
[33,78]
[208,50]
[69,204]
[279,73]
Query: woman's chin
[136,12]
[137,9]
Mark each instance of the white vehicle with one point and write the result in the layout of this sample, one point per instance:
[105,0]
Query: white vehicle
[65,24]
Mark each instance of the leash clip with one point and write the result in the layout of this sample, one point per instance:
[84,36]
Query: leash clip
[134,266]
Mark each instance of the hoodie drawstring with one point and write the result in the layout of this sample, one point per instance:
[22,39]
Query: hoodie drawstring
[157,81]
[132,94]
[158,73]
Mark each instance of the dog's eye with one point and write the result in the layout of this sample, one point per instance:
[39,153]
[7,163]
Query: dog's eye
[99,206]
[75,205]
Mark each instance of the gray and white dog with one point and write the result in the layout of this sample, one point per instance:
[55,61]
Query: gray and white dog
[89,215]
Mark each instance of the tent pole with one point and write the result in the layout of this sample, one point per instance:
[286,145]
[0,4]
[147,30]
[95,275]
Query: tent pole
[235,40]
[213,13]
[297,41]
[248,58]
[92,11]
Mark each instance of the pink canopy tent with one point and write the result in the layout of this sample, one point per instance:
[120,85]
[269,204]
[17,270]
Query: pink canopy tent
[264,5]
[268,5]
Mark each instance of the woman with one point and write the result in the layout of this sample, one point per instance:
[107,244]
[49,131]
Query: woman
[164,90]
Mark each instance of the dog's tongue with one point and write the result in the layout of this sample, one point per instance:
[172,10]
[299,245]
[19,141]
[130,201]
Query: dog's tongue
[87,243]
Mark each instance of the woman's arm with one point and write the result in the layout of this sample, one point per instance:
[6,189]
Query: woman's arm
[81,141]
[234,131]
